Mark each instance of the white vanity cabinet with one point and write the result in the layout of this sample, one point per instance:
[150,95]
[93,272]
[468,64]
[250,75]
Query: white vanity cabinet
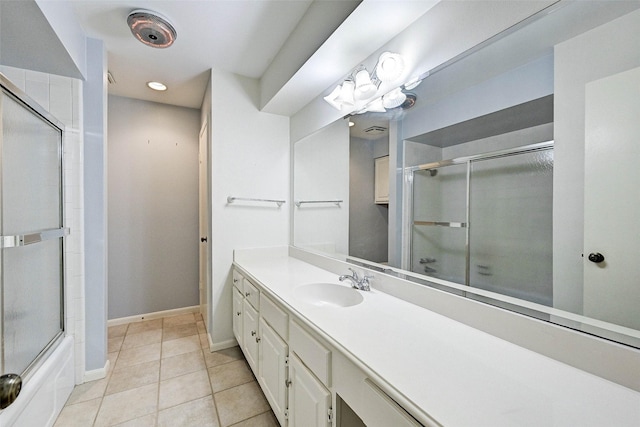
[273,357]
[300,374]
[309,399]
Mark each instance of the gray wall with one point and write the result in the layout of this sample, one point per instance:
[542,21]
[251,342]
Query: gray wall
[153,207]
[368,222]
[95,213]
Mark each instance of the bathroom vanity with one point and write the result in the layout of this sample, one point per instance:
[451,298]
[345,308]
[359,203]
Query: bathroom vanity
[326,354]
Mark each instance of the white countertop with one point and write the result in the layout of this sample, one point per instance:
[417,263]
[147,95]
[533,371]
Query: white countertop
[457,375]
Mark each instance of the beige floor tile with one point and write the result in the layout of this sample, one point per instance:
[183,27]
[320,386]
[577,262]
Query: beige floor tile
[200,412]
[223,356]
[134,376]
[146,421]
[181,364]
[180,346]
[87,391]
[79,415]
[144,326]
[201,328]
[229,375]
[142,338]
[173,332]
[204,341]
[133,356]
[114,344]
[179,320]
[263,420]
[198,317]
[183,389]
[128,405]
[239,403]
[117,331]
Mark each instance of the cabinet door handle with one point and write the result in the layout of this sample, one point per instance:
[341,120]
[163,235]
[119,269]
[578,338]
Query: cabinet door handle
[287,383]
[235,280]
[238,313]
[246,294]
[253,333]
[257,339]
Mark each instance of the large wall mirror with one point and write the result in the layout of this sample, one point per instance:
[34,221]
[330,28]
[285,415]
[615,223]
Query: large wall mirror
[509,176]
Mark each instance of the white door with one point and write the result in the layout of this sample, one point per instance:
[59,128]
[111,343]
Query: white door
[272,369]
[612,199]
[203,184]
[309,400]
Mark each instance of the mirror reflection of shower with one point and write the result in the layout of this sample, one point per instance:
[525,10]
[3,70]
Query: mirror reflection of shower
[485,221]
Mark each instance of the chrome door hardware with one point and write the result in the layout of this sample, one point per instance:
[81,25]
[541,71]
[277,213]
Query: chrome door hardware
[10,386]
[596,257]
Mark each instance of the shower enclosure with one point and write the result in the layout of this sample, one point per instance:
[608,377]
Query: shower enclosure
[31,234]
[485,221]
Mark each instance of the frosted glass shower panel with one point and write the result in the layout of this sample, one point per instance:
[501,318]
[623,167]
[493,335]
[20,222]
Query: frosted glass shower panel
[510,225]
[32,264]
[438,237]
[30,171]
[440,195]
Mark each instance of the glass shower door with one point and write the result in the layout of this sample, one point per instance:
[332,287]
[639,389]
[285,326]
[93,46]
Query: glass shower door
[31,228]
[510,225]
[439,238]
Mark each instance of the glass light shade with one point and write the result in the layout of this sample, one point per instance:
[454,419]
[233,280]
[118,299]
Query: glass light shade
[390,67]
[365,88]
[332,98]
[376,106]
[394,99]
[412,84]
[346,94]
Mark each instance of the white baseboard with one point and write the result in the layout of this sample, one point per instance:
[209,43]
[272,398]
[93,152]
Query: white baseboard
[96,374]
[156,315]
[221,345]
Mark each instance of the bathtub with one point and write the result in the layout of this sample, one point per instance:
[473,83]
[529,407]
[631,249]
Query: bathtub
[44,394]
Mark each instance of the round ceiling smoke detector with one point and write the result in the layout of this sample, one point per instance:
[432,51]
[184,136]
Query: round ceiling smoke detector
[151,28]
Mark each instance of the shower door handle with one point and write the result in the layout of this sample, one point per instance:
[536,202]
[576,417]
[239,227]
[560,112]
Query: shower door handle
[10,386]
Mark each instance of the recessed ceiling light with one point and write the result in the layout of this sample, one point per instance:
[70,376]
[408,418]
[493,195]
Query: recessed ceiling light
[157,86]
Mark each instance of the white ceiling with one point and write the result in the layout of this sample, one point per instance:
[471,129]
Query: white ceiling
[239,36]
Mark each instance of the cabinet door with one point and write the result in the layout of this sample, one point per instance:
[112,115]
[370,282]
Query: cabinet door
[250,335]
[309,400]
[272,369]
[381,184]
[237,316]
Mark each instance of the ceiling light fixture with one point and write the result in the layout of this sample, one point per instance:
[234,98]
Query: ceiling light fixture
[151,29]
[157,86]
[361,87]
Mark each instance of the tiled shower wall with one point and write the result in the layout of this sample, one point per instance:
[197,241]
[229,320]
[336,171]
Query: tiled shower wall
[62,97]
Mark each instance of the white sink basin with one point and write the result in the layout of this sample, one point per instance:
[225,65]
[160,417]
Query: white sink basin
[327,295]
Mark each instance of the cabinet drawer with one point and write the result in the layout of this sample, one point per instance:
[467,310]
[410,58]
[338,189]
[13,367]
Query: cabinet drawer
[383,410]
[252,294]
[313,354]
[238,281]
[278,319]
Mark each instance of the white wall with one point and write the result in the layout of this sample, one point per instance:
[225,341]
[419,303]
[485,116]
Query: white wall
[249,157]
[153,207]
[601,52]
[321,172]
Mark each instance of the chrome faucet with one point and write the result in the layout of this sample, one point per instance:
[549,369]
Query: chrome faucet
[356,281]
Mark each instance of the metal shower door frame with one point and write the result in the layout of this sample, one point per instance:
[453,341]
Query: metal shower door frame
[9,89]
[408,218]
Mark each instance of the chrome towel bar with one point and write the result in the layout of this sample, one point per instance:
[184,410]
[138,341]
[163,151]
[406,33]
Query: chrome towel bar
[231,199]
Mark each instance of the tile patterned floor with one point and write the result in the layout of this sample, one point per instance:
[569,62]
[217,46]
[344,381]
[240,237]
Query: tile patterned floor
[162,374]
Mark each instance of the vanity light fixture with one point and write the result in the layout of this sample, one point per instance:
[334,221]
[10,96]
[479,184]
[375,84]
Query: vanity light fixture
[157,86]
[361,87]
